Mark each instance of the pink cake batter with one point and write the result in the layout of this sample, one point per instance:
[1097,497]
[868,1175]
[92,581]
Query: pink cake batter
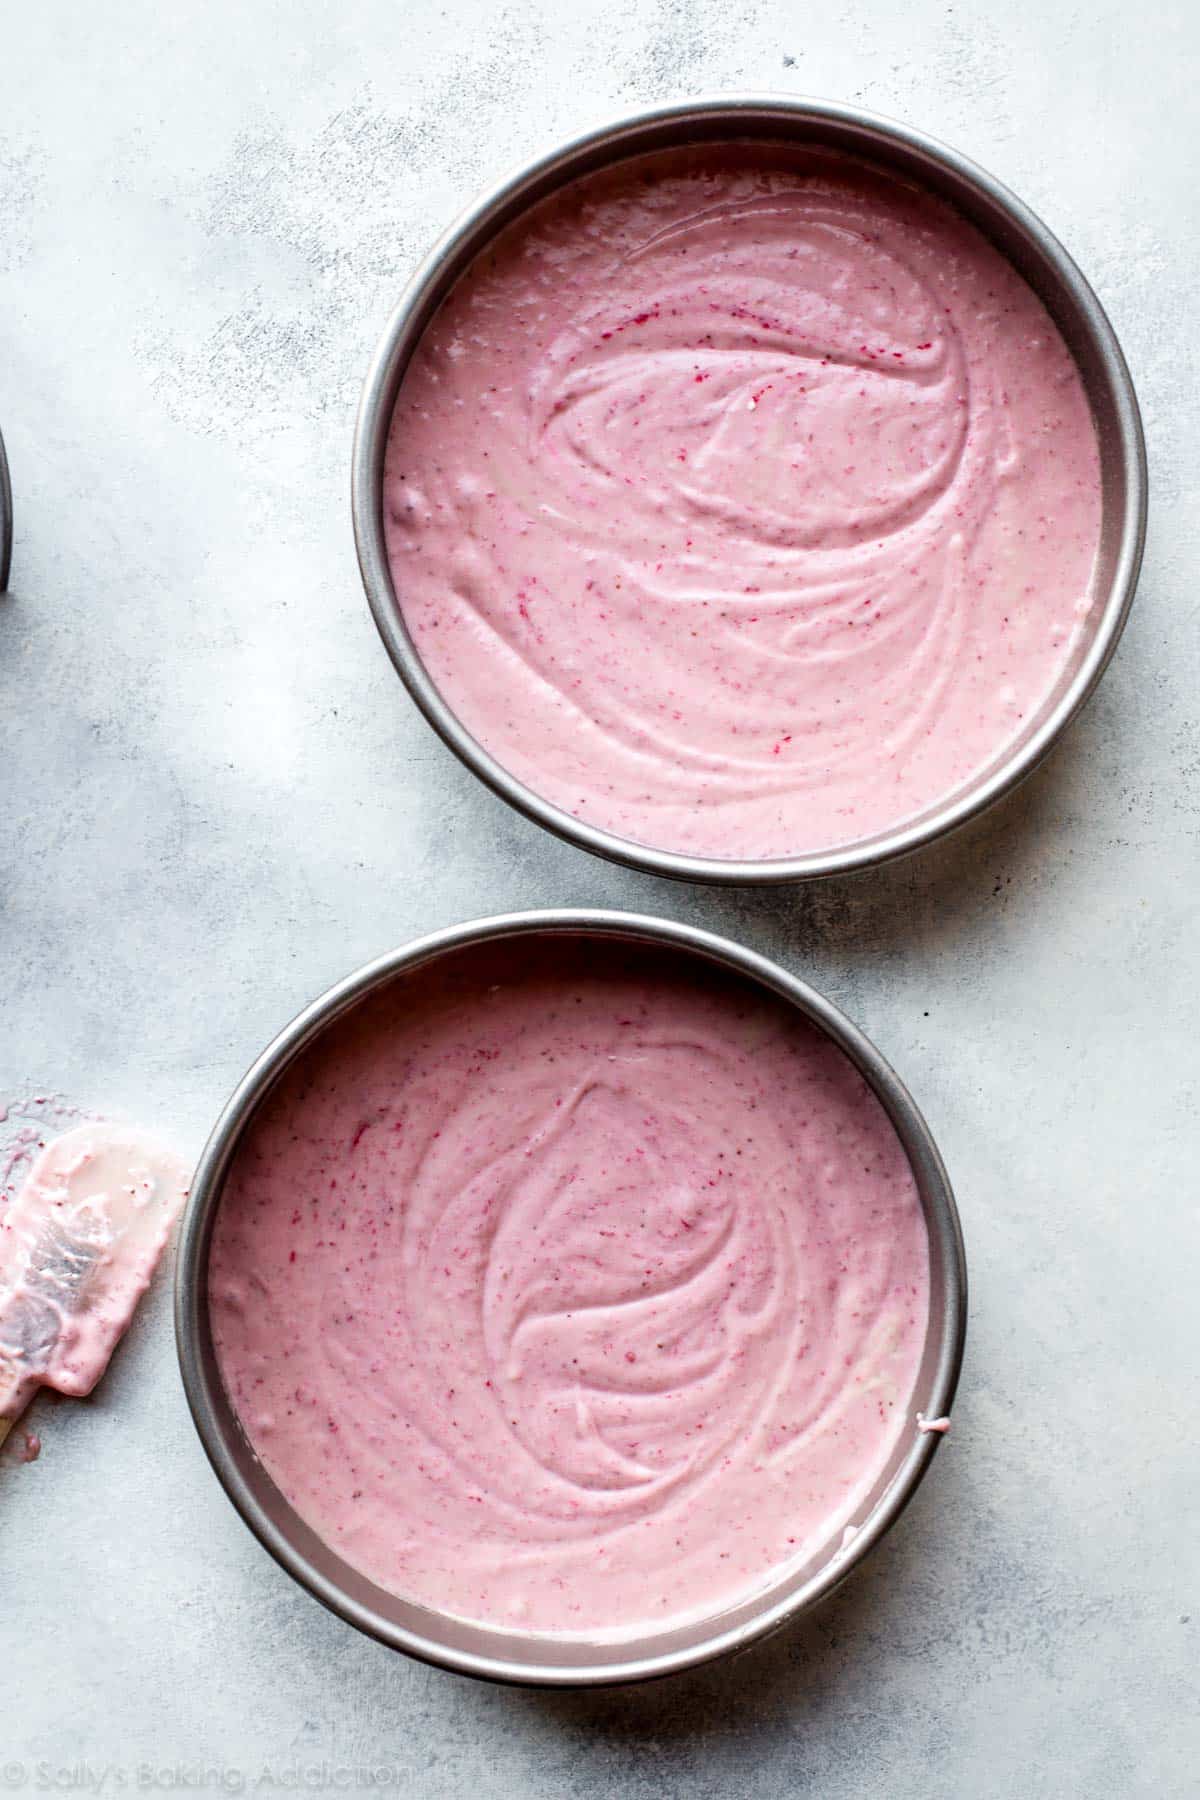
[572,1293]
[743,502]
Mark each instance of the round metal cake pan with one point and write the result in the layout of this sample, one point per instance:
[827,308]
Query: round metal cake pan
[502,1654]
[6,518]
[1003,218]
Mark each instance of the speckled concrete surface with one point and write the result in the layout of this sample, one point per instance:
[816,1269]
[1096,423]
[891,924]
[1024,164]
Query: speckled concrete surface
[216,800]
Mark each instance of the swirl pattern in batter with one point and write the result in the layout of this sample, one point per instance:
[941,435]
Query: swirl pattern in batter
[571,1292]
[742,502]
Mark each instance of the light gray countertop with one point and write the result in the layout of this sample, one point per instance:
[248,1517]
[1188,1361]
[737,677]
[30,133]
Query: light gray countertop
[217,800]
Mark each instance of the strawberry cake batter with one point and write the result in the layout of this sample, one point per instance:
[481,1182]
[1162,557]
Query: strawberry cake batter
[572,1291]
[743,502]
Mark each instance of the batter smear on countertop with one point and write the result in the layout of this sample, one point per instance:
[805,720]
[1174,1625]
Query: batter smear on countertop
[572,1291]
[743,502]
